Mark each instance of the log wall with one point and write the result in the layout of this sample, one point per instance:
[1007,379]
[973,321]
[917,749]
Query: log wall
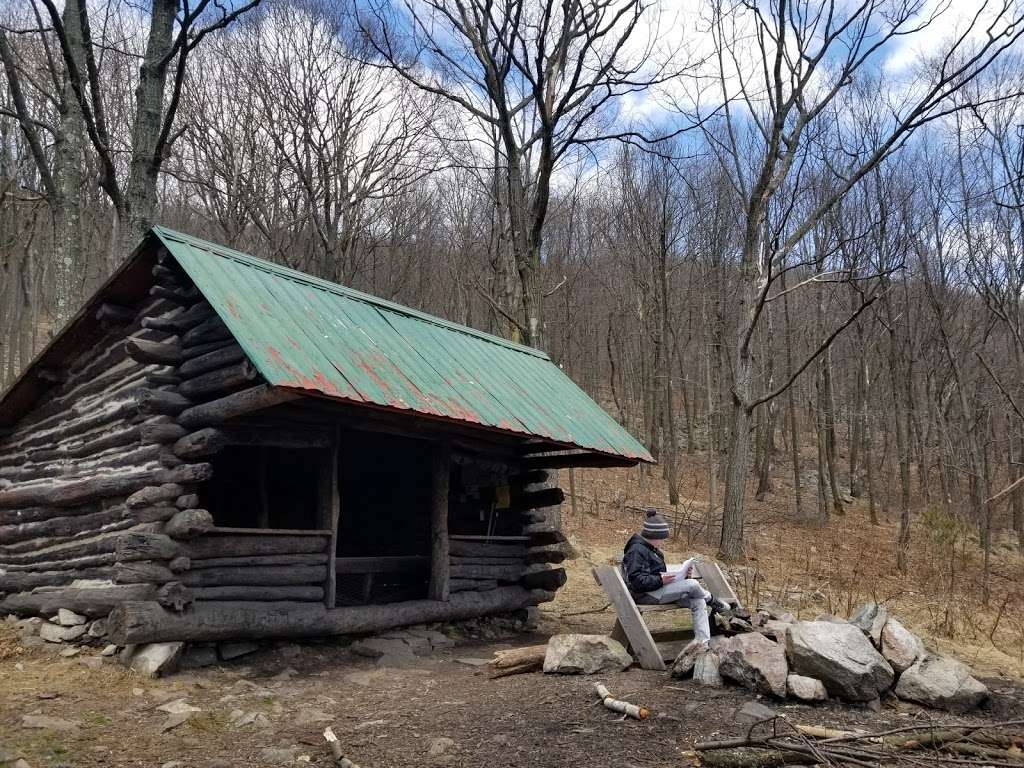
[99,480]
[100,494]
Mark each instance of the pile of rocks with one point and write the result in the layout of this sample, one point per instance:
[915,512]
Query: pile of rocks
[856,660]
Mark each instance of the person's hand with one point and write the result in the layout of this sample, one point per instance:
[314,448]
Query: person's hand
[667,578]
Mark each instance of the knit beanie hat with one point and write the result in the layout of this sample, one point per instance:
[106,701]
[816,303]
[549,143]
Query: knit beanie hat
[655,525]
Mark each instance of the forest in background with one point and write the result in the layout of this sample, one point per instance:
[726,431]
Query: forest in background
[743,228]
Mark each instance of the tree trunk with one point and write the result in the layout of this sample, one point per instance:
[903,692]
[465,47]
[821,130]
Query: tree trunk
[140,197]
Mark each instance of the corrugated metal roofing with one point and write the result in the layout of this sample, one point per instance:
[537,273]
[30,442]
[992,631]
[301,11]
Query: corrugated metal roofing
[309,334]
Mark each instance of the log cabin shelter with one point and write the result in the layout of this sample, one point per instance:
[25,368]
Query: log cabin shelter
[217,446]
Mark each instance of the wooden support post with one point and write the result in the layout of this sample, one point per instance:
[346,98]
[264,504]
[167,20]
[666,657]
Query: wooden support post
[330,506]
[439,565]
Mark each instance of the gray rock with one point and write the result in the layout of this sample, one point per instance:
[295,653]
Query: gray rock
[806,688]
[900,647]
[839,655]
[870,618]
[754,712]
[98,628]
[830,617]
[173,764]
[706,670]
[55,633]
[68,618]
[174,720]
[109,650]
[775,628]
[574,654]
[237,649]
[30,627]
[754,661]
[278,755]
[45,722]
[198,656]
[687,658]
[943,683]
[67,653]
[439,745]
[155,659]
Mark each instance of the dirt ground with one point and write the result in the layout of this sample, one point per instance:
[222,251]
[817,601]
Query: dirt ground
[388,716]
[383,716]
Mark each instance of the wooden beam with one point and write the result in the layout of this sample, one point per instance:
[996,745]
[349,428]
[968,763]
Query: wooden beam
[236,404]
[147,622]
[331,513]
[439,564]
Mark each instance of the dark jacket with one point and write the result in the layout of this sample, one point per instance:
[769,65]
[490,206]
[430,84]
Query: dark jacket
[642,565]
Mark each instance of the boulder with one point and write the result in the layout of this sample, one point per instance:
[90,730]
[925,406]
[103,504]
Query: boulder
[585,654]
[806,688]
[754,661]
[900,647]
[55,633]
[155,659]
[870,618]
[687,658]
[705,670]
[839,655]
[943,683]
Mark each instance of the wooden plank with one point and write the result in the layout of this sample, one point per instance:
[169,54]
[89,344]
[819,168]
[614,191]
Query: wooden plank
[392,564]
[629,617]
[334,514]
[440,575]
[715,581]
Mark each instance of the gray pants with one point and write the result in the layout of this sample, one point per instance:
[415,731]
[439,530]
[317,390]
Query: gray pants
[689,594]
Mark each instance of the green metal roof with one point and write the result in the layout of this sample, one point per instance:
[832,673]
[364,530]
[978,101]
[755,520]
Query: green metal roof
[309,334]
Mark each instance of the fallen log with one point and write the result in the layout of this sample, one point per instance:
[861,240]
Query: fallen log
[148,622]
[517,661]
[622,707]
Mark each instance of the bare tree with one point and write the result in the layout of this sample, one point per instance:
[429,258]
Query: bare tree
[781,90]
[538,79]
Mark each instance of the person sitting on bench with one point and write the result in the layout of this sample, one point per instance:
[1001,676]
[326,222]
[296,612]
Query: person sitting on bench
[652,582]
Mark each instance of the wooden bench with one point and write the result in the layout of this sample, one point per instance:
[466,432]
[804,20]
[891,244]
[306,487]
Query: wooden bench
[630,628]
